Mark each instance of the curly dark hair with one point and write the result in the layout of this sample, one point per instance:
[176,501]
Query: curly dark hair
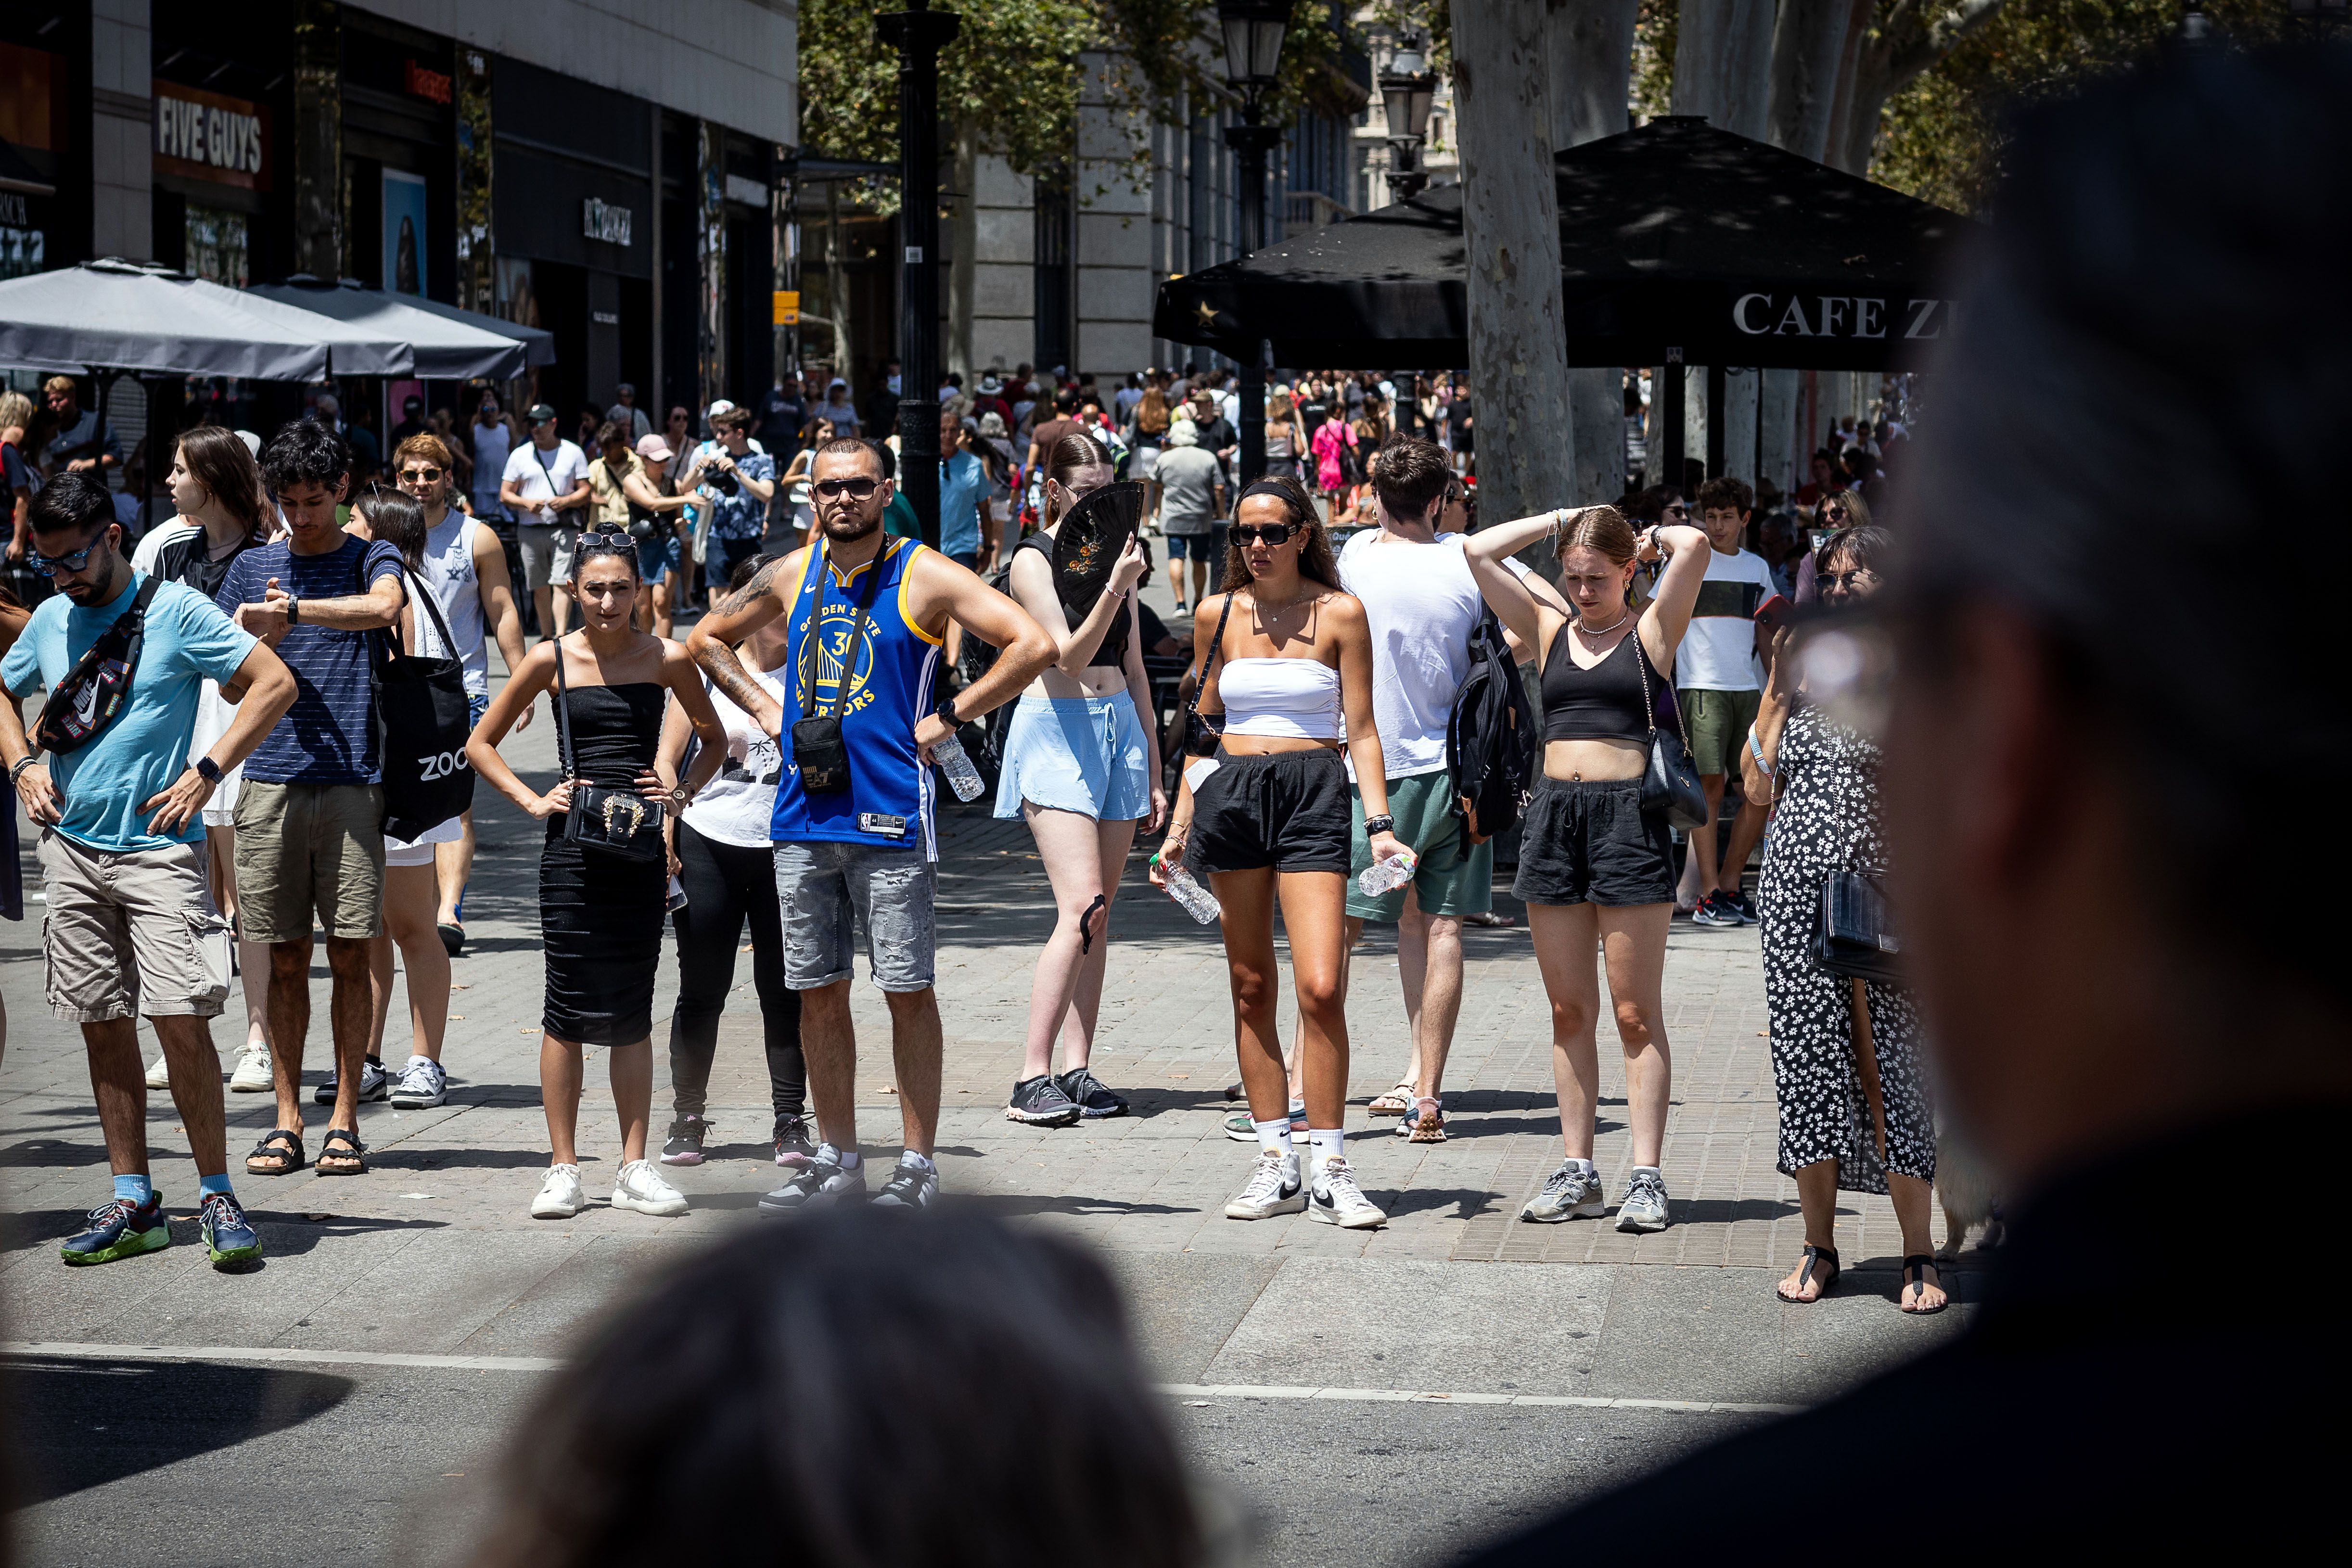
[305,453]
[853,1389]
[1315,560]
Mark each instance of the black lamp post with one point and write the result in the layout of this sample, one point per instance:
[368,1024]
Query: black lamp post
[918,35]
[1407,89]
[1254,31]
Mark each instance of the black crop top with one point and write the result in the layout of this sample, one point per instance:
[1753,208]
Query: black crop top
[1113,649]
[1603,703]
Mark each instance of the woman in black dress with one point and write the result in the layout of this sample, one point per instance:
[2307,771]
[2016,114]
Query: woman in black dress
[600,914]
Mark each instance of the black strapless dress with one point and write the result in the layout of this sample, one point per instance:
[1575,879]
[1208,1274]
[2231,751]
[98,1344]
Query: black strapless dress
[601,914]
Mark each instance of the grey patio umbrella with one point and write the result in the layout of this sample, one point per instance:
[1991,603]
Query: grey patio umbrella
[538,345]
[136,317]
[445,348]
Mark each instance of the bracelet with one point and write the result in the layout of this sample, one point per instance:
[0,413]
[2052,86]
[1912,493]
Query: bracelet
[22,763]
[1756,749]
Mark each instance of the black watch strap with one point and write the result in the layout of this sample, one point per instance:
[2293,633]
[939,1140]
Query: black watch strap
[1380,823]
[946,710]
[209,770]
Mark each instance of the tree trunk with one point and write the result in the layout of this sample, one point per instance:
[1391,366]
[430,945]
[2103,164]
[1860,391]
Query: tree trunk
[1588,46]
[1810,50]
[1777,431]
[1510,211]
[1887,58]
[836,285]
[964,252]
[1723,60]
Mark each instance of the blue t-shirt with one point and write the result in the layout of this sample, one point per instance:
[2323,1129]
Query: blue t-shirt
[136,757]
[328,736]
[741,516]
[963,480]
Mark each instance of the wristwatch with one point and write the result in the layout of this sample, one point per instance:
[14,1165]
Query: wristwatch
[946,710]
[209,770]
[293,609]
[1384,823]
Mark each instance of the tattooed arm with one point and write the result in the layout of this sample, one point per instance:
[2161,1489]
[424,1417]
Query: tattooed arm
[735,617]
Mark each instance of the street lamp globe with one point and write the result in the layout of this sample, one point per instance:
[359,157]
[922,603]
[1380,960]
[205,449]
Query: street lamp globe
[1406,92]
[1254,31]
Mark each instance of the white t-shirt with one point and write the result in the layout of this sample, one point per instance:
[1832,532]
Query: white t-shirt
[738,805]
[565,466]
[1422,604]
[1718,652]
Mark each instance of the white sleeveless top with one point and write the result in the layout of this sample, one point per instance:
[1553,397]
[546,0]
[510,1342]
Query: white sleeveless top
[738,805]
[448,570]
[1297,699]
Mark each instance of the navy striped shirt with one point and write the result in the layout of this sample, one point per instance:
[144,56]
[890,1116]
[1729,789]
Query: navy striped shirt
[328,736]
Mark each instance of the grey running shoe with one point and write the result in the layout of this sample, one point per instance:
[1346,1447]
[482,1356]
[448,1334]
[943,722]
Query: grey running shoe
[909,1187]
[1240,1128]
[375,1083]
[1087,1092]
[1643,1206]
[1568,1194]
[1040,1101]
[1337,1200]
[821,1181]
[684,1145]
[1274,1188]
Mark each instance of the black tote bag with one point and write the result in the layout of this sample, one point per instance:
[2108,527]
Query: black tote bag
[422,721]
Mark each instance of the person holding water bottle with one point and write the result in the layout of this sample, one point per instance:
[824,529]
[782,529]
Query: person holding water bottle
[865,616]
[1286,682]
[1084,769]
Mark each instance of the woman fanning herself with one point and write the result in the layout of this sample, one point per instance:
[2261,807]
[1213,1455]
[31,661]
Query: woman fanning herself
[600,912]
[1289,668]
[1594,865]
[1084,769]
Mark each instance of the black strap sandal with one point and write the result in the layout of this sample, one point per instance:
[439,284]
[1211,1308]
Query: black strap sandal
[1813,1257]
[1914,1272]
[279,1153]
[346,1149]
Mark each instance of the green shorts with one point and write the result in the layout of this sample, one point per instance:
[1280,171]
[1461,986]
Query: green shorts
[1718,723]
[1451,878]
[310,855]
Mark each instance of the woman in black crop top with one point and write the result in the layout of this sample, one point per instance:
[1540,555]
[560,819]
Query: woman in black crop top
[1594,866]
[1084,768]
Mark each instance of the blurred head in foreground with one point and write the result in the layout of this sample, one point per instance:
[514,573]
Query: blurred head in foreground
[2119,706]
[857,1388]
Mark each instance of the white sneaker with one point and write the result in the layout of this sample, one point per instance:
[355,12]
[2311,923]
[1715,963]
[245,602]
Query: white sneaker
[253,1074]
[642,1187]
[560,1198]
[160,1075]
[1274,1188]
[1337,1200]
[420,1086]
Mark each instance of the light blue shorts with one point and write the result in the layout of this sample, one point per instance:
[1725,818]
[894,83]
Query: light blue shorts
[1076,754]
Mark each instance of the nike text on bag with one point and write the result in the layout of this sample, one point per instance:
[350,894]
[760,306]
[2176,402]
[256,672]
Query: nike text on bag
[422,719]
[1491,741]
[98,686]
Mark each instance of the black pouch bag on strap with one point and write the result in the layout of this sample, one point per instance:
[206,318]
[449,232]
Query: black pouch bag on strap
[98,686]
[1855,937]
[819,749]
[617,822]
[1669,783]
[1201,735]
[422,721]
[1492,744]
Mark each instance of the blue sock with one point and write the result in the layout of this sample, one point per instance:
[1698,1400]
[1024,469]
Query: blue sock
[215,1184]
[136,1189]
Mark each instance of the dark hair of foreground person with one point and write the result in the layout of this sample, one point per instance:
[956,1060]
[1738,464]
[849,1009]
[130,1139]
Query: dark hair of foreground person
[856,1389]
[2113,719]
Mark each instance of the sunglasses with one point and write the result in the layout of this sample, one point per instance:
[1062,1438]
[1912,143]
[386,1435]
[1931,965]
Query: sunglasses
[422,475]
[855,489]
[1839,513]
[50,565]
[1268,534]
[1842,579]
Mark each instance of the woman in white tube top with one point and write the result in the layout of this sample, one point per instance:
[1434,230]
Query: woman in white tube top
[1287,663]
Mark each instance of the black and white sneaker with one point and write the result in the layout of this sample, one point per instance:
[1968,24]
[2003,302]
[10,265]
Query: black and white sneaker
[1336,1200]
[422,1085]
[375,1083]
[1743,904]
[821,1181]
[1715,909]
[794,1146]
[1087,1092]
[1041,1103]
[1273,1188]
[909,1187]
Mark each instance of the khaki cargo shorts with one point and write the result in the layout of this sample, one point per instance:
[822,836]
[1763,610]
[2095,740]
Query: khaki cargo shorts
[130,932]
[309,854]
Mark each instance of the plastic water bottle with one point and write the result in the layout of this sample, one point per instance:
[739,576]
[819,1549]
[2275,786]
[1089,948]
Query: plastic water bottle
[962,776]
[1191,897]
[1388,876]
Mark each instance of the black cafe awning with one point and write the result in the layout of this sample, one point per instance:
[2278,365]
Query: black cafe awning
[1675,234]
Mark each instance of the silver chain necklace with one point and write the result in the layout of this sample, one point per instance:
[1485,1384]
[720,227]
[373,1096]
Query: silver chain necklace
[1589,631]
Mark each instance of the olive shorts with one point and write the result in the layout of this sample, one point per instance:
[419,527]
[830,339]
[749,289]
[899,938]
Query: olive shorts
[309,855]
[1718,722]
[1452,877]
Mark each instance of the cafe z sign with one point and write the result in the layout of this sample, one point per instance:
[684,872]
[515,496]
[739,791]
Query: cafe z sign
[201,135]
[1845,315]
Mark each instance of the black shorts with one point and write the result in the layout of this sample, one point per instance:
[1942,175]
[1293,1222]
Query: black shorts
[1288,811]
[1589,841]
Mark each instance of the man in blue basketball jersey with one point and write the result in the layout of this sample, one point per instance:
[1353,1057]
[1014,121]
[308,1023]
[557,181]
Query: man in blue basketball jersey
[866,614]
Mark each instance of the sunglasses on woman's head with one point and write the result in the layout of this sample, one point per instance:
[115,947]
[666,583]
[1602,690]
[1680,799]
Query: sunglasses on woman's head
[855,489]
[1268,534]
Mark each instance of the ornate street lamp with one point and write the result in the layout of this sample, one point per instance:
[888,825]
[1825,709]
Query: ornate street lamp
[1407,89]
[1252,31]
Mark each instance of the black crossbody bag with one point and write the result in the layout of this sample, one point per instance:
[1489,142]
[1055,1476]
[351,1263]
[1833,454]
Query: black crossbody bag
[618,822]
[99,685]
[1669,783]
[820,750]
[1202,735]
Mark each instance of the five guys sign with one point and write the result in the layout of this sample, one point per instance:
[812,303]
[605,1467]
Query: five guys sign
[201,135]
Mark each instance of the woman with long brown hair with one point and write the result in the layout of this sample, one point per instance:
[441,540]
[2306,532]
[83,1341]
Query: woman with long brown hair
[1082,767]
[216,487]
[1595,866]
[1287,663]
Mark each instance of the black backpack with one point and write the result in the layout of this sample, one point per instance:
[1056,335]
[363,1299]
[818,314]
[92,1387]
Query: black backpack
[1492,742]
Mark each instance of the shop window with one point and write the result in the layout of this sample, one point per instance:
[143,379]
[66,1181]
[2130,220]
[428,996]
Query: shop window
[219,245]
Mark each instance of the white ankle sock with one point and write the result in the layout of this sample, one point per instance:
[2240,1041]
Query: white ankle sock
[1327,1144]
[1273,1137]
[920,1162]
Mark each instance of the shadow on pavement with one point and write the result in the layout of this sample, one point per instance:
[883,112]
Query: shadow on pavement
[75,1425]
[285,1235]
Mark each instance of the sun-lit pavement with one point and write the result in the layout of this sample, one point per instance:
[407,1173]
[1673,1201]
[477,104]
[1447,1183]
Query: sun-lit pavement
[433,1254]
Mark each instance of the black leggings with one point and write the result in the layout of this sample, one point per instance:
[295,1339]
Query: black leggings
[724,884]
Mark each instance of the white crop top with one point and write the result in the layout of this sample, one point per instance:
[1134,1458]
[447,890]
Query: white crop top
[1295,698]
